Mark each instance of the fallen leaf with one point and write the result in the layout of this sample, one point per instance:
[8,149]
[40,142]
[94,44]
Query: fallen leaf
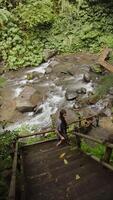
[77,177]
[62,155]
[56,180]
[65,162]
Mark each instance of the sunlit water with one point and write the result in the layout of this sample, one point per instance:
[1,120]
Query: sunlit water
[54,101]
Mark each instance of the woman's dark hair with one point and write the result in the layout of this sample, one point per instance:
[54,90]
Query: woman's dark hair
[62,112]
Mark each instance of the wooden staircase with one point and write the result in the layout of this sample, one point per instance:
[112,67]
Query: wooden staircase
[62,173]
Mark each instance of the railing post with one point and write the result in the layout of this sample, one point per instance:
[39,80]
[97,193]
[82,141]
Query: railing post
[107,154]
[79,122]
[97,120]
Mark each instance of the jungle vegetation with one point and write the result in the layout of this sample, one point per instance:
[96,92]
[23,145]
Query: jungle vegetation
[27,27]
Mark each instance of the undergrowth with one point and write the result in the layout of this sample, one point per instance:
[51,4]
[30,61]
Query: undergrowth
[5,162]
[105,84]
[97,150]
[28,27]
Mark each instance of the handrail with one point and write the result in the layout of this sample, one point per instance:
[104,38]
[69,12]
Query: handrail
[12,188]
[38,133]
[109,146]
[53,130]
[99,141]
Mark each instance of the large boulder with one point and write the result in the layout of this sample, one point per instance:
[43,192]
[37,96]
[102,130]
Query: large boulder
[23,103]
[37,98]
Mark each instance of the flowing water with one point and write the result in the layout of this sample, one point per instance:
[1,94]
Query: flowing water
[55,91]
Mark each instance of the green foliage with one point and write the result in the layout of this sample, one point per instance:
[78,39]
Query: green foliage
[39,138]
[2,81]
[110,58]
[5,160]
[97,150]
[5,16]
[34,13]
[96,68]
[5,142]
[64,25]
[23,130]
[20,49]
[105,83]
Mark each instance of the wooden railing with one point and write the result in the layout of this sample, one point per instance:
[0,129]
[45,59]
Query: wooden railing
[109,147]
[78,135]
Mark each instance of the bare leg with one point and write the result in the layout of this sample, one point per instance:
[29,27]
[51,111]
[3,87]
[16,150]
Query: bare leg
[60,142]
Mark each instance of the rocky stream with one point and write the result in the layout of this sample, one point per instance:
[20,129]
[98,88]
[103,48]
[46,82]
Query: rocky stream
[30,96]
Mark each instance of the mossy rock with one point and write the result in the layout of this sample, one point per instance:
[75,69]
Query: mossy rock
[96,69]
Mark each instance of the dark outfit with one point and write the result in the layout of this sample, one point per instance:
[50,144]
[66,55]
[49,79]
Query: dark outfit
[62,128]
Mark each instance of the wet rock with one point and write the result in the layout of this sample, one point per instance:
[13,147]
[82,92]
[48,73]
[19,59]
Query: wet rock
[108,102]
[71,95]
[27,107]
[78,91]
[111,91]
[48,70]
[63,72]
[90,93]
[48,53]
[69,73]
[7,110]
[105,72]
[88,101]
[53,63]
[81,91]
[32,75]
[23,103]
[106,112]
[38,110]
[86,78]
[76,106]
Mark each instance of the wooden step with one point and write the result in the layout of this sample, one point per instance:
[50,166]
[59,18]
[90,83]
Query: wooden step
[48,177]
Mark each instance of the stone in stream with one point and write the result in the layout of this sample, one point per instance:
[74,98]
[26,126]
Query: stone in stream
[48,70]
[86,78]
[71,95]
[81,90]
[38,110]
[111,91]
[23,101]
[76,106]
[32,75]
[106,112]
